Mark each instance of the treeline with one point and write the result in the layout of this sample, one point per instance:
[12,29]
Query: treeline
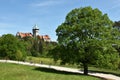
[15,48]
[37,47]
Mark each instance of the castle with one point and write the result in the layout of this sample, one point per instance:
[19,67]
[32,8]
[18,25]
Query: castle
[35,34]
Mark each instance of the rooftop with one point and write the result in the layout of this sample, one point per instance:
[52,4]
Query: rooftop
[35,27]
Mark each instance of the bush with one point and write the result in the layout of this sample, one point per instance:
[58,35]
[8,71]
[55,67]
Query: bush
[12,48]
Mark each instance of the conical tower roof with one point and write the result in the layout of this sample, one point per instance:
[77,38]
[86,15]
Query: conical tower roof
[35,27]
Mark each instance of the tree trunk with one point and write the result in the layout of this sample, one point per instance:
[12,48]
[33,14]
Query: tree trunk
[85,65]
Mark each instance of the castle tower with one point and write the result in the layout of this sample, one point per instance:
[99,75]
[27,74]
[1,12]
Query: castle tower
[35,31]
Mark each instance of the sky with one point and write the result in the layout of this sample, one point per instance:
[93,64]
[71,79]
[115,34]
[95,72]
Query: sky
[22,15]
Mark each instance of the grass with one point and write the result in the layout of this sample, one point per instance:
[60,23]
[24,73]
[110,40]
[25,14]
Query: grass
[106,71]
[21,72]
[48,61]
[91,69]
[40,59]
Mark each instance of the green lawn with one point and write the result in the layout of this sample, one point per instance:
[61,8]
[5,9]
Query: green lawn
[20,72]
[48,61]
[106,71]
[40,59]
[93,69]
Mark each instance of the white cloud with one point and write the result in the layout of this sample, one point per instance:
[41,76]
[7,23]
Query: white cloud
[46,3]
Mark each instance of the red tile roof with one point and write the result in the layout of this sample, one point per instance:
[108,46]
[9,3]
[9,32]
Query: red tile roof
[22,35]
[44,37]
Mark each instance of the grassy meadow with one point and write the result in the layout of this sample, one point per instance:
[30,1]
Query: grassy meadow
[21,72]
[92,69]
[106,71]
[48,61]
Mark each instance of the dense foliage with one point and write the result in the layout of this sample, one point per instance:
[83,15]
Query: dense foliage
[37,47]
[12,48]
[116,24]
[15,48]
[87,36]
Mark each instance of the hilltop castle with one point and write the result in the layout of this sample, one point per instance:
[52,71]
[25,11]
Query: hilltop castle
[35,34]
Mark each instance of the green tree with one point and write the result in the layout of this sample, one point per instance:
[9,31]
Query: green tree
[11,48]
[37,47]
[34,46]
[18,55]
[47,46]
[116,24]
[28,41]
[84,37]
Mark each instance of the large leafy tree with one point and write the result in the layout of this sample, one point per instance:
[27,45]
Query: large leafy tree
[86,37]
[12,48]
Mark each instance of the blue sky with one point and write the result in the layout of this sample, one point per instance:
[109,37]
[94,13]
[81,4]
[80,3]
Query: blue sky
[22,15]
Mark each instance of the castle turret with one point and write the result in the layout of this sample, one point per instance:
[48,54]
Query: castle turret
[35,31]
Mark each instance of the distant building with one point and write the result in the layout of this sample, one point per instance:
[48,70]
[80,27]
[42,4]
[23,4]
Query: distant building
[35,31]
[45,38]
[22,35]
[35,34]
